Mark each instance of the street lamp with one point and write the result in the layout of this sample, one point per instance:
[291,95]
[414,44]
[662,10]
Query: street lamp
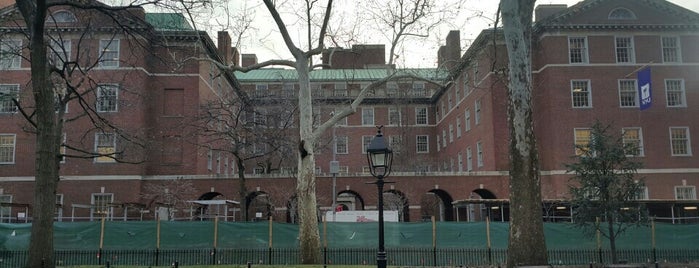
[380,158]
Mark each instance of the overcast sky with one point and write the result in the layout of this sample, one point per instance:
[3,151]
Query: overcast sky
[265,41]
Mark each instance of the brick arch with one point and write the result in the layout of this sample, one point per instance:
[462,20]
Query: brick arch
[359,198]
[446,200]
[405,217]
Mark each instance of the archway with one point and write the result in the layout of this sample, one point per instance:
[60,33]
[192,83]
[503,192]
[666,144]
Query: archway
[396,200]
[437,203]
[350,200]
[258,206]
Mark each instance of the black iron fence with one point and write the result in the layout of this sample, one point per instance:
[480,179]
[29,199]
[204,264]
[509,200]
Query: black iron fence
[344,256]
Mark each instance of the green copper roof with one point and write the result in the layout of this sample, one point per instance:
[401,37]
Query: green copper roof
[278,75]
[168,21]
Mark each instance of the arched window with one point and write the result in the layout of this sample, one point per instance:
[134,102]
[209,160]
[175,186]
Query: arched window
[62,16]
[621,13]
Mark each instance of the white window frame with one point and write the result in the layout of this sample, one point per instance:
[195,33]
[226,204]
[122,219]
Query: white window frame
[7,106]
[59,52]
[99,144]
[95,211]
[582,51]
[419,117]
[10,54]
[108,47]
[425,144]
[467,88]
[467,120]
[391,89]
[628,92]
[451,133]
[458,127]
[5,211]
[477,108]
[444,138]
[587,91]
[340,90]
[438,143]
[10,147]
[479,153]
[112,100]
[366,139]
[261,90]
[342,142]
[418,89]
[469,159]
[367,116]
[394,114]
[460,160]
[679,96]
[621,50]
[638,141]
[450,102]
[686,192]
[686,140]
[666,49]
[578,140]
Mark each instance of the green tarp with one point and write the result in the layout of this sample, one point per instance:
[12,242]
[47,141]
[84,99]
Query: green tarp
[256,235]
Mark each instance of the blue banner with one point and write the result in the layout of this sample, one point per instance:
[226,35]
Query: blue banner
[644,90]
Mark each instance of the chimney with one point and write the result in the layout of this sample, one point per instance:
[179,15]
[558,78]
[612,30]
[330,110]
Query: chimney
[248,59]
[224,47]
[449,54]
[542,12]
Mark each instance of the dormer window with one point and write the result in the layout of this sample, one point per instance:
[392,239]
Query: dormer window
[62,16]
[621,13]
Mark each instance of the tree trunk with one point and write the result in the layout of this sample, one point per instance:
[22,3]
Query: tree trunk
[306,182]
[47,141]
[527,245]
[242,189]
[612,238]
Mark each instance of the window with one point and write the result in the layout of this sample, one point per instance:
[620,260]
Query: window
[105,147]
[421,116]
[621,14]
[7,148]
[628,93]
[642,193]
[479,152]
[422,144]
[478,112]
[438,143]
[469,159]
[261,90]
[583,136]
[365,142]
[107,97]
[59,207]
[10,54]
[671,48]
[395,142]
[577,49]
[444,138]
[444,113]
[679,141]
[456,95]
[391,89]
[210,160]
[368,116]
[101,206]
[63,148]
[467,120]
[394,116]
[449,101]
[467,88]
[674,93]
[288,90]
[460,162]
[685,192]
[59,52]
[419,89]
[5,211]
[451,133]
[458,127]
[62,16]
[340,90]
[260,117]
[8,92]
[624,50]
[341,145]
[633,141]
[109,50]
[580,92]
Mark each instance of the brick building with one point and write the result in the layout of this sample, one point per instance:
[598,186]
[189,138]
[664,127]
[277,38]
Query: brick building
[450,133]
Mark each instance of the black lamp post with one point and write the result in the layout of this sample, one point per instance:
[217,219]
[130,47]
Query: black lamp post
[380,158]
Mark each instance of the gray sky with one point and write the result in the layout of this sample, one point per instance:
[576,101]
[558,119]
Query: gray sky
[265,41]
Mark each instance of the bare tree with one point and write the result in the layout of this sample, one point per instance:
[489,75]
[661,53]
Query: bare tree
[526,240]
[57,80]
[172,193]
